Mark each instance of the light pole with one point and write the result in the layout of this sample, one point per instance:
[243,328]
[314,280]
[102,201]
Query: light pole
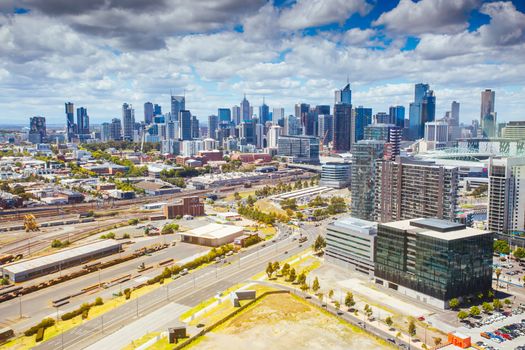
[137,304]
[20,304]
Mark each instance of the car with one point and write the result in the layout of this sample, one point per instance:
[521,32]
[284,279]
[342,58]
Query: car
[285,252]
[421,318]
[392,340]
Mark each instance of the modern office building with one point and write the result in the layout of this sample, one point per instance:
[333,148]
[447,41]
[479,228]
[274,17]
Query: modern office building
[247,133]
[245,111]
[264,113]
[178,104]
[236,115]
[389,133]
[336,175]
[506,211]
[408,189]
[365,155]
[115,130]
[514,130]
[433,260]
[325,128]
[342,127]
[37,130]
[344,96]
[105,132]
[277,114]
[292,125]
[225,115]
[422,110]
[299,149]
[274,132]
[382,118]
[397,115]
[487,114]
[350,243]
[438,132]
[70,120]
[128,122]
[195,128]
[185,125]
[148,113]
[362,118]
[213,125]
[157,110]
[82,121]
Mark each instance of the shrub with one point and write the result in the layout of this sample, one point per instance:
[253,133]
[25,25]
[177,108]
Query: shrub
[45,323]
[133,221]
[178,217]
[98,301]
[169,228]
[109,235]
[85,314]
[126,236]
[40,334]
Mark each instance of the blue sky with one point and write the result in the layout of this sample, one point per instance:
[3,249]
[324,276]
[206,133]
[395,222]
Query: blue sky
[102,53]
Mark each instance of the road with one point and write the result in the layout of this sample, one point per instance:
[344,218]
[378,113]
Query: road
[37,305]
[188,290]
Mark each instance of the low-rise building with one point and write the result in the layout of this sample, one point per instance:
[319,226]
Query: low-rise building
[212,235]
[350,243]
[157,188]
[433,260]
[336,175]
[187,206]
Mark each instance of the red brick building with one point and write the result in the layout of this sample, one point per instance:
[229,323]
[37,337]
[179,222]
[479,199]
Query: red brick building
[211,156]
[252,157]
[188,206]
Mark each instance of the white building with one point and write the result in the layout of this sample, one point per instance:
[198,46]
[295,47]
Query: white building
[190,148]
[436,131]
[273,135]
[213,235]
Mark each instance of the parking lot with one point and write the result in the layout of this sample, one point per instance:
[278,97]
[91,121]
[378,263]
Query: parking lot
[504,332]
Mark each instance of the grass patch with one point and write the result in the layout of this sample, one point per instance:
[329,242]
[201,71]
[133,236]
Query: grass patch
[138,342]
[266,206]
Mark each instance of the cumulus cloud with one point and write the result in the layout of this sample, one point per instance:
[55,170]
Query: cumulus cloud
[311,13]
[428,16]
[507,26]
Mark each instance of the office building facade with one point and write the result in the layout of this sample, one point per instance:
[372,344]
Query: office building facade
[128,122]
[325,128]
[178,104]
[336,175]
[70,120]
[350,243]
[37,130]
[433,260]
[148,113]
[362,118]
[299,149]
[397,115]
[213,125]
[487,114]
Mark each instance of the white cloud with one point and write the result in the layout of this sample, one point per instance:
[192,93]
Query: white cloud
[428,16]
[311,13]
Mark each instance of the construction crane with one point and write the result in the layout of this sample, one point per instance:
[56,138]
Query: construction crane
[30,224]
[321,145]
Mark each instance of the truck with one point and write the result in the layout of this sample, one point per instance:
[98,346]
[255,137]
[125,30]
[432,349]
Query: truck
[303,239]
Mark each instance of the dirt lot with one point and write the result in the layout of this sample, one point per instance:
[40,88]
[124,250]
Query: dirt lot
[284,322]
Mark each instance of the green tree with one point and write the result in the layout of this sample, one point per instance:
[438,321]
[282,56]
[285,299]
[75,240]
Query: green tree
[315,285]
[501,247]
[389,321]
[304,287]
[299,215]
[497,304]
[349,300]
[237,196]
[301,278]
[519,253]
[319,244]
[412,328]
[269,270]
[437,341]
[462,315]
[498,273]
[337,305]
[507,301]
[454,303]
[487,307]
[292,275]
[321,297]
[286,269]
[474,311]
[276,266]
[331,293]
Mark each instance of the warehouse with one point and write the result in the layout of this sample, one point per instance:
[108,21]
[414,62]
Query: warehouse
[26,269]
[213,235]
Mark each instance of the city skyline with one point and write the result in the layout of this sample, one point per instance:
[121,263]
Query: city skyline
[279,51]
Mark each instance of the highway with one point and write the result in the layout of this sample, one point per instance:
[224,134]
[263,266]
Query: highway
[188,290]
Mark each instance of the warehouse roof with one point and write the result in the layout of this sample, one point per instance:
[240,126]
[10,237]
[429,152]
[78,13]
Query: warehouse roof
[53,259]
[214,231]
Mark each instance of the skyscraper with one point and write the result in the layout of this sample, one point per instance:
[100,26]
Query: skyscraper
[236,115]
[408,189]
[365,155]
[195,129]
[397,115]
[301,113]
[292,125]
[325,128]
[506,210]
[277,114]
[225,115]
[344,95]
[115,130]
[454,114]
[487,114]
[157,110]
[274,133]
[105,132]
[82,121]
[185,125]
[178,103]
[264,113]
[245,110]
[362,118]
[213,125]
[37,130]
[422,110]
[148,112]
[70,120]
[128,122]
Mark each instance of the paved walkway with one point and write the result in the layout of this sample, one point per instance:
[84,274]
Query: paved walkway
[160,319]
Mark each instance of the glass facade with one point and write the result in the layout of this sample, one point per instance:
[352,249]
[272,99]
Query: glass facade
[437,267]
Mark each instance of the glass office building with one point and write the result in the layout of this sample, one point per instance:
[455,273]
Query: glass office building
[433,260]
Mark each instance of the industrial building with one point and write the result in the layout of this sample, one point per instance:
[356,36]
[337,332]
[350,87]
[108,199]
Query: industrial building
[433,260]
[26,269]
[212,235]
[350,243]
[188,206]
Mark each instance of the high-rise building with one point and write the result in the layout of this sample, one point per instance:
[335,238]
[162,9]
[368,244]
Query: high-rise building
[382,118]
[362,118]
[225,115]
[433,260]
[128,122]
[301,113]
[247,135]
[70,120]
[274,132]
[148,112]
[422,110]
[344,96]
[213,125]
[82,121]
[506,211]
[178,103]
[236,115]
[437,132]
[264,113]
[325,128]
[322,109]
[365,155]
[277,114]
[292,125]
[514,130]
[37,130]
[105,132]
[454,113]
[397,115]
[157,110]
[185,125]
[408,189]
[115,130]
[245,111]
[342,127]
[487,114]
[195,129]
[299,149]
[389,133]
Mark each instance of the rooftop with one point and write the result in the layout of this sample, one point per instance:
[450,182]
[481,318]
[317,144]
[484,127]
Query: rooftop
[356,224]
[436,228]
[214,231]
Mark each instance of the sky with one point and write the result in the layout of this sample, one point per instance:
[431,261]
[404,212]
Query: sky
[102,53]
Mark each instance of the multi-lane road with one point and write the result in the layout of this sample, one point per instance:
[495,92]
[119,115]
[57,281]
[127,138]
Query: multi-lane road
[188,290]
